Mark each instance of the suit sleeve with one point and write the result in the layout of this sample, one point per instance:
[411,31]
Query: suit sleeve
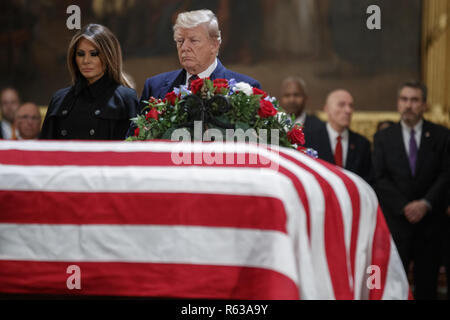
[146,92]
[256,84]
[440,187]
[368,174]
[391,199]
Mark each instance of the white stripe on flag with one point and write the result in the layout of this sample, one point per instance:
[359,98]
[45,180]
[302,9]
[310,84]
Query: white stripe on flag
[154,244]
[396,286]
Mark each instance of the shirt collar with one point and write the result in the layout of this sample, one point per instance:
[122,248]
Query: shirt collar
[417,127]
[204,74]
[334,134]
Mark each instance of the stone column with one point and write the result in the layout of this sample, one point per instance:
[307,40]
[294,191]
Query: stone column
[436,58]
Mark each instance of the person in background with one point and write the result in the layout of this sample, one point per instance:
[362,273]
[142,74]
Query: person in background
[28,121]
[412,163]
[9,103]
[384,124]
[336,143]
[100,102]
[293,100]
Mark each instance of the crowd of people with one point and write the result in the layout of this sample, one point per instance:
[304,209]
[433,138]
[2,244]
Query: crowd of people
[408,165]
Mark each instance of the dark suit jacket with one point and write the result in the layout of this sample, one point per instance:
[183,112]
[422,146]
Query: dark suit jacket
[1,131]
[395,185]
[359,156]
[159,85]
[311,123]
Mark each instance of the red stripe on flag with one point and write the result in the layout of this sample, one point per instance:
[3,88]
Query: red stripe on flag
[147,279]
[353,192]
[151,158]
[381,250]
[219,210]
[334,237]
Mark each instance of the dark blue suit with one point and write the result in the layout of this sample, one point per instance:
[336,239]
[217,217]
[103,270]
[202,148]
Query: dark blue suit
[159,85]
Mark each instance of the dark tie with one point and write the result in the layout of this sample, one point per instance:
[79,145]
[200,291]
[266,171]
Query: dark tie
[338,152]
[412,152]
[192,78]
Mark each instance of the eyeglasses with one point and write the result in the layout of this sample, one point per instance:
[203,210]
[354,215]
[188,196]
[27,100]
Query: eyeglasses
[32,118]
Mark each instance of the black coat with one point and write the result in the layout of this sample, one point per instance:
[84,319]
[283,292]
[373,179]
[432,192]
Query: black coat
[100,111]
[359,154]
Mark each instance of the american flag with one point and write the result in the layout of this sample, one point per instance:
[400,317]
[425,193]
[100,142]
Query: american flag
[190,220]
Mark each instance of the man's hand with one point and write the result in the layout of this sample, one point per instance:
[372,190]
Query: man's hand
[415,211]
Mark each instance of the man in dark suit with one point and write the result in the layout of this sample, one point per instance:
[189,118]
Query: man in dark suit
[336,143]
[293,100]
[198,39]
[411,160]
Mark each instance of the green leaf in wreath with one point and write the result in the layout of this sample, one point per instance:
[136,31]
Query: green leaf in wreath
[242,125]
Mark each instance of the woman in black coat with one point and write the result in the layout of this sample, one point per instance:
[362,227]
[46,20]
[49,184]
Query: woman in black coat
[100,102]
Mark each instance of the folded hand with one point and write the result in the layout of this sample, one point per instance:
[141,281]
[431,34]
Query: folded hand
[415,211]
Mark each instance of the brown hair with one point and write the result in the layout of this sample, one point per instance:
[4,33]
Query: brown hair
[109,52]
[415,85]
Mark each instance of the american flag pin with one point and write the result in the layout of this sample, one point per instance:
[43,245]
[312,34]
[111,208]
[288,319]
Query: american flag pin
[427,134]
[352,146]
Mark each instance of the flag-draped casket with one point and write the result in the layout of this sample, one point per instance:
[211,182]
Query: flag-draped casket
[189,220]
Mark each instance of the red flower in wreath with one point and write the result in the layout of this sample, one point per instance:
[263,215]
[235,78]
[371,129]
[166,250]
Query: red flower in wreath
[266,109]
[171,97]
[296,135]
[257,91]
[220,84]
[196,85]
[152,113]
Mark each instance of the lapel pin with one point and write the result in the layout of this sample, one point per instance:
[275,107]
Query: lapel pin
[427,134]
[352,146]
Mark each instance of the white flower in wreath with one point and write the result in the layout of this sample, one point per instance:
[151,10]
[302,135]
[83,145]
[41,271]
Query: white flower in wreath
[244,87]
[280,115]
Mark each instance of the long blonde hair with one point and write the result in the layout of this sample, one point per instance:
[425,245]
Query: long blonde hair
[110,53]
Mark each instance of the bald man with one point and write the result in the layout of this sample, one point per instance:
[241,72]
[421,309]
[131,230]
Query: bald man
[9,103]
[28,121]
[336,143]
[293,100]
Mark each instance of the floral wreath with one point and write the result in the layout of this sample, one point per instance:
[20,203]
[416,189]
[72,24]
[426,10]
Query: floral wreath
[221,104]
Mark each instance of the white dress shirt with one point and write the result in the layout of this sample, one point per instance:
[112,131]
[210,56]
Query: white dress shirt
[205,74]
[332,134]
[406,132]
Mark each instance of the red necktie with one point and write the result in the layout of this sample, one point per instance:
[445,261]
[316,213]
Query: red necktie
[338,152]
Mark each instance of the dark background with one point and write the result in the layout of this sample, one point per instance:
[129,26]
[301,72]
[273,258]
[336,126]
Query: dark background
[324,41]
